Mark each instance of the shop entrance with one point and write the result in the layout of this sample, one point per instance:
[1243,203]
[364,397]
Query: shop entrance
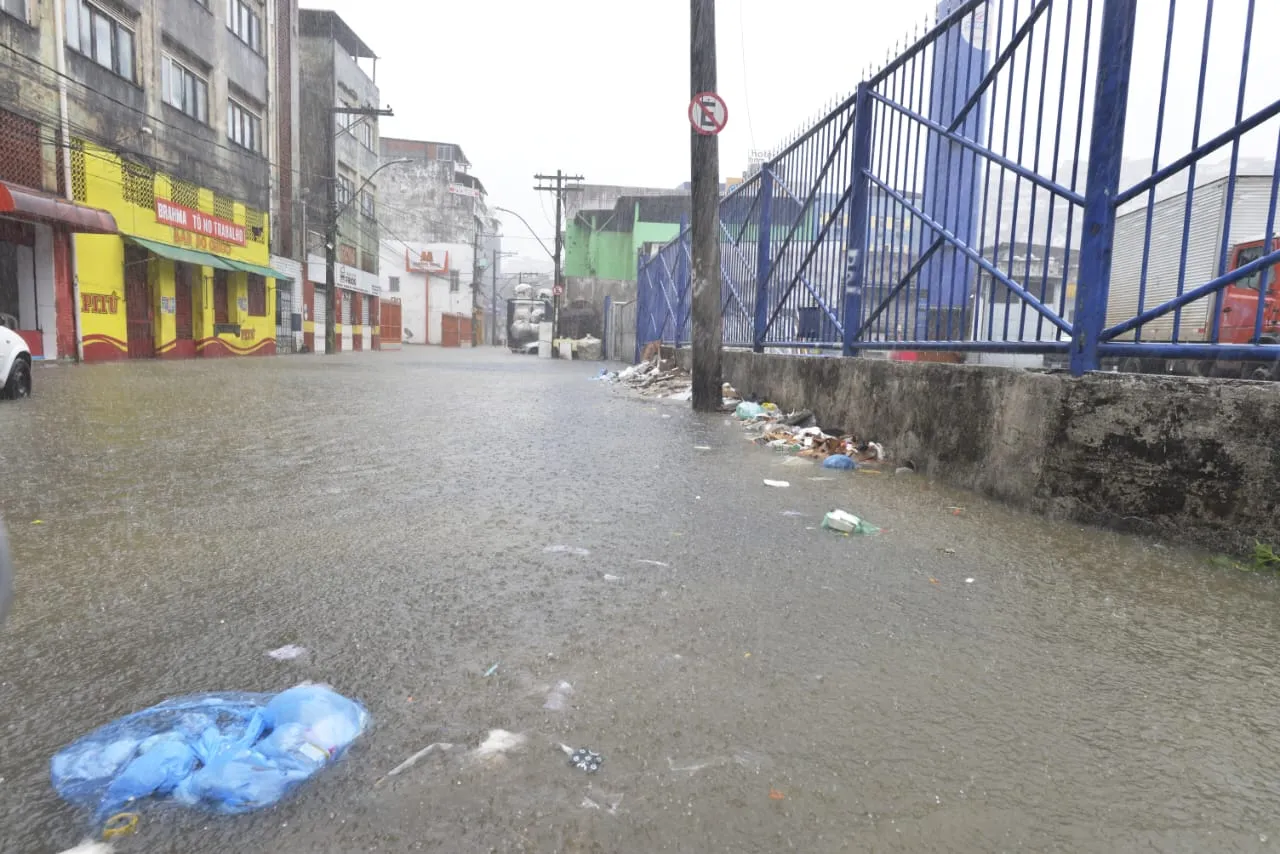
[137,304]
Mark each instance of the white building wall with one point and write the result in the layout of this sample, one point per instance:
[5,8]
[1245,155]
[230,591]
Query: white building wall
[426,298]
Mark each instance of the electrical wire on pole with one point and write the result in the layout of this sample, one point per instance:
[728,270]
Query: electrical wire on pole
[559,184]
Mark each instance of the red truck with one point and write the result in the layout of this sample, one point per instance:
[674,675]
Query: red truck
[1236,305]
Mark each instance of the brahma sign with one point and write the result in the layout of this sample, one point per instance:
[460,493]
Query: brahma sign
[180,216]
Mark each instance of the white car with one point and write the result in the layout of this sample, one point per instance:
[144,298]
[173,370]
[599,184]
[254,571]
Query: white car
[15,360]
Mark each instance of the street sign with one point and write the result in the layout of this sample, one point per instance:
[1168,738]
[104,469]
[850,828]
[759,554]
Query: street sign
[708,113]
[558,290]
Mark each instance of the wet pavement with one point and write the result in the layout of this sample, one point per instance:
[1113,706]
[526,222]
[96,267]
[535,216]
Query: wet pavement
[754,684]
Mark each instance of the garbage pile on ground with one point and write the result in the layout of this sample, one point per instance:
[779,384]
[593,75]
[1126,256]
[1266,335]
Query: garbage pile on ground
[795,433]
[223,752]
[798,433]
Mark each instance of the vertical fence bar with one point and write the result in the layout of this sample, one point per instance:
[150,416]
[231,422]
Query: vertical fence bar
[764,226]
[682,282]
[856,257]
[642,293]
[1106,148]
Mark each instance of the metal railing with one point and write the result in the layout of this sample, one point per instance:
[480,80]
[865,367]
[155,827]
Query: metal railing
[1072,178]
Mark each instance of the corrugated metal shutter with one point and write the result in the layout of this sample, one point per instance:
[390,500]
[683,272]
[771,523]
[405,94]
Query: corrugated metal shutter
[318,313]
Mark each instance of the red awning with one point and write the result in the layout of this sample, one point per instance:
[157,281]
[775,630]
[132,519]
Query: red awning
[34,206]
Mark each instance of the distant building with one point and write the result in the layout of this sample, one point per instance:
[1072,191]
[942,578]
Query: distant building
[433,282]
[433,198]
[333,78]
[602,247]
[164,171]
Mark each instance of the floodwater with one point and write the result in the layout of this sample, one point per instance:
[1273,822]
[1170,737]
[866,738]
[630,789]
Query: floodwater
[773,687]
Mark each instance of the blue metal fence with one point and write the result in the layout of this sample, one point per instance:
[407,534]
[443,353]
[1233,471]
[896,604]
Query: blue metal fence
[1029,176]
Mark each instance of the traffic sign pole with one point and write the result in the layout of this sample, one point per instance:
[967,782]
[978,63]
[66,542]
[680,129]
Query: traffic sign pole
[708,115]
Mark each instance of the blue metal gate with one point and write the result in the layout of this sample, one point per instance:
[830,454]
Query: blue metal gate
[966,197]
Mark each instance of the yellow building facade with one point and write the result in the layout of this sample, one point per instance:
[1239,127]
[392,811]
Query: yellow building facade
[186,276]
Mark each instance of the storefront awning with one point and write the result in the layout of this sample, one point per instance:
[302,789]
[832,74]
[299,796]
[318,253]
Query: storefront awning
[181,253]
[34,206]
[260,270]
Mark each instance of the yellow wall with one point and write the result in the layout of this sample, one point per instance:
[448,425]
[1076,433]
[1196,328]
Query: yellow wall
[100,262]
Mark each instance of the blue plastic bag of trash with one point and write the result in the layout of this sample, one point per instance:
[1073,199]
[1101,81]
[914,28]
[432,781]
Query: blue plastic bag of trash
[223,752]
[839,461]
[748,410]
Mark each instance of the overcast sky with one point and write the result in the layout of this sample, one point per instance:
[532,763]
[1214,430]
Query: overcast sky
[601,88]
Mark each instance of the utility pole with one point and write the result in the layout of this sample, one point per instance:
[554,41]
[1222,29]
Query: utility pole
[475,284]
[704,234]
[332,213]
[560,184]
[493,297]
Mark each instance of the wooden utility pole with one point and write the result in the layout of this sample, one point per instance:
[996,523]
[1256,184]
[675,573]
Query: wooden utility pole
[559,184]
[707,336]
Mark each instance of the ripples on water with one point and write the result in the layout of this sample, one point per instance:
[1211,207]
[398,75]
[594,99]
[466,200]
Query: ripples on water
[770,688]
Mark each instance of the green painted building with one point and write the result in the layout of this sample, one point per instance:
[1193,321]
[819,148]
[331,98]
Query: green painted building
[601,245]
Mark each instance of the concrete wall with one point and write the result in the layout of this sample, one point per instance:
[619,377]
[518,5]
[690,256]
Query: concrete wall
[1196,461]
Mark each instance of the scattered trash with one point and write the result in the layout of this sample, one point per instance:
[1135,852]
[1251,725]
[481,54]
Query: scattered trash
[948,551]
[224,752]
[839,461]
[37,521]
[775,795]
[652,562]
[792,513]
[702,447]
[120,824]
[956,511]
[287,652]
[933,581]
[497,743]
[746,655]
[569,550]
[779,483]
[876,450]
[492,670]
[968,581]
[847,523]
[558,697]
[747,410]
[803,418]
[586,760]
[413,760]
[608,577]
[654,377]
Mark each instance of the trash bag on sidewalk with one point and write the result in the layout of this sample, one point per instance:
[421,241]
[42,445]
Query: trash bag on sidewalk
[224,752]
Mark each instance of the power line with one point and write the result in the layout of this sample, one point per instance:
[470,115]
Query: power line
[150,118]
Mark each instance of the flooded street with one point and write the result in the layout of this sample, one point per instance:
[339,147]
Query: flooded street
[754,684]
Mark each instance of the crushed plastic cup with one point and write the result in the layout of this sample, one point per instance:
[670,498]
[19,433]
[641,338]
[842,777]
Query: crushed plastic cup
[843,522]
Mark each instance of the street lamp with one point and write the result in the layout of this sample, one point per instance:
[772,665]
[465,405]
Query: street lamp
[331,250]
[550,254]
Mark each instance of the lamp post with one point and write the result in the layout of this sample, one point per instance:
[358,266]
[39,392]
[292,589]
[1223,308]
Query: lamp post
[554,256]
[550,254]
[332,212]
[493,296]
[331,250]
